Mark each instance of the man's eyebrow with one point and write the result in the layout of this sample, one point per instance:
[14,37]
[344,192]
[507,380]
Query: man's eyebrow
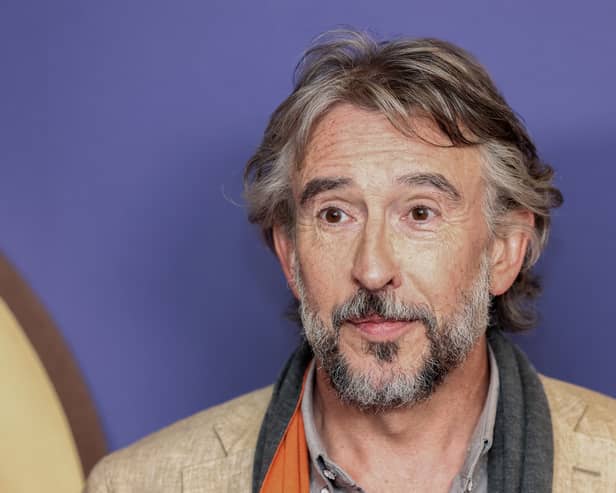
[435,180]
[319,185]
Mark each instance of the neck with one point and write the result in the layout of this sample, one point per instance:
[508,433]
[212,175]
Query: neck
[438,429]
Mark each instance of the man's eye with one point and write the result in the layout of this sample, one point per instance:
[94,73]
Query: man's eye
[333,215]
[421,213]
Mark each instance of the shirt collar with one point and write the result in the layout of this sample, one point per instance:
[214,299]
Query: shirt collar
[483,434]
[328,470]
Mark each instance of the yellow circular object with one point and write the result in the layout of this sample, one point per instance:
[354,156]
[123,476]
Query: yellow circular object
[37,449]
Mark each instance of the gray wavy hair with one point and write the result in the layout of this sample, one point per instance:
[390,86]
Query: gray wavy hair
[405,79]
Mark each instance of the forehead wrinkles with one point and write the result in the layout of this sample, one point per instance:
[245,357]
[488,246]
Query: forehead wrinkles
[348,136]
[353,132]
[341,130]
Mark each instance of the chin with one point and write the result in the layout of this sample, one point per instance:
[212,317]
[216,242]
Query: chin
[375,380]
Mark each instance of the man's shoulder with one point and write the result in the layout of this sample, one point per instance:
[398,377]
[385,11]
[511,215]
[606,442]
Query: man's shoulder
[223,423]
[584,431]
[159,461]
[587,411]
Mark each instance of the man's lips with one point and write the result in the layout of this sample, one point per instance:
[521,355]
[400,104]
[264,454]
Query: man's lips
[379,328]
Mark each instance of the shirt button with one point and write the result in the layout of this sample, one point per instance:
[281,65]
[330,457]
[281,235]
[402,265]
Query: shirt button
[329,475]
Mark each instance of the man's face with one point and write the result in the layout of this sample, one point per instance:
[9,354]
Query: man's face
[390,256]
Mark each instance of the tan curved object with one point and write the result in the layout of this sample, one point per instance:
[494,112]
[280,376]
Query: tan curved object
[37,449]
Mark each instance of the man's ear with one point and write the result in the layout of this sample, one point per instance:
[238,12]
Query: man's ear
[285,251]
[508,250]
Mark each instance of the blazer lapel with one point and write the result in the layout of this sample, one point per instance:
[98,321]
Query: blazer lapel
[585,459]
[237,433]
[232,474]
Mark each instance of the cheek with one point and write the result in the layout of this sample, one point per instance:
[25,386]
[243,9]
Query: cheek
[325,267]
[436,272]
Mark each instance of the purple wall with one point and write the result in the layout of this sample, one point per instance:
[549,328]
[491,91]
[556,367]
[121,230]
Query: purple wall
[124,127]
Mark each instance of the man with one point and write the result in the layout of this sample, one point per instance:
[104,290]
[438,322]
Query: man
[407,206]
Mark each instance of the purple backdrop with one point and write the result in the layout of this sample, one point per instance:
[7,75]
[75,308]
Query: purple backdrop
[124,127]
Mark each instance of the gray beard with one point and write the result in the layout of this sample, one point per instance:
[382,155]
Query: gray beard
[449,343]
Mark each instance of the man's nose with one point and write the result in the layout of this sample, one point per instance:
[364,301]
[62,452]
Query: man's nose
[375,266]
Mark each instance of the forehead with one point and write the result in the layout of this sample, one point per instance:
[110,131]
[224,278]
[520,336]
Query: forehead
[349,140]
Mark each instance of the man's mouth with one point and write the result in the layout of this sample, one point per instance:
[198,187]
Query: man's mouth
[377,328]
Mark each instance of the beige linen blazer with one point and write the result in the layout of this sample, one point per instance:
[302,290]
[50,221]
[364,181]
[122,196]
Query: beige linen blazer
[213,451]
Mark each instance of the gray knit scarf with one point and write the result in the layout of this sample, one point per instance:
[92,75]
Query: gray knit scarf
[522,452]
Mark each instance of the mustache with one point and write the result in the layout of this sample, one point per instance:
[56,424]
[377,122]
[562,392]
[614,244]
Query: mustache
[365,303]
